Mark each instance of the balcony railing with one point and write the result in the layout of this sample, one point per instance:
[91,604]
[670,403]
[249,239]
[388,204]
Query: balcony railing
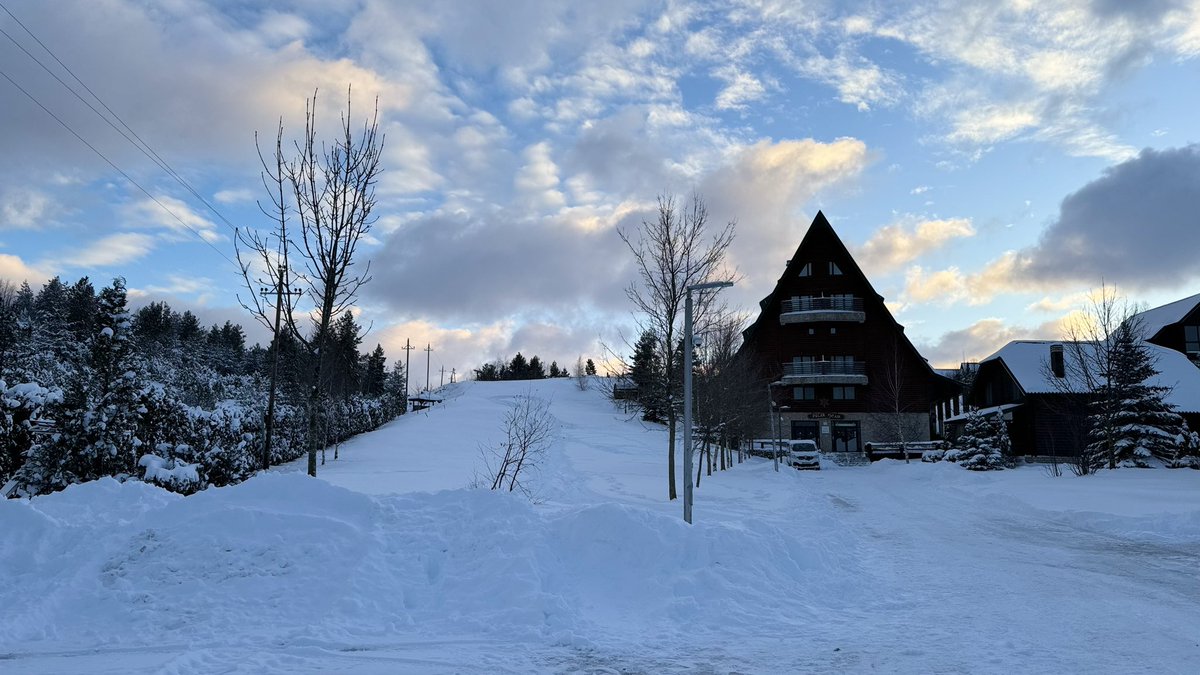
[825,372]
[809,309]
[811,304]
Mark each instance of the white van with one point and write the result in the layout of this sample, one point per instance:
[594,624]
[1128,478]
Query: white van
[803,454]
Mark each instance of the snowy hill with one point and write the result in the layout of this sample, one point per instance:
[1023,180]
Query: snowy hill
[390,563]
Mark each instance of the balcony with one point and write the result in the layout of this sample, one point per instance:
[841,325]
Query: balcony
[808,309]
[825,372]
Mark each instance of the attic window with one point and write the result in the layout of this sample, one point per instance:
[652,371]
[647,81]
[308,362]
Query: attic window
[1191,339]
[834,270]
[806,269]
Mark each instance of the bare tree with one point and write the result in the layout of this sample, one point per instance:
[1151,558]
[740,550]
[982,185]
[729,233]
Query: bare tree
[894,417]
[528,431]
[580,375]
[330,190]
[672,252]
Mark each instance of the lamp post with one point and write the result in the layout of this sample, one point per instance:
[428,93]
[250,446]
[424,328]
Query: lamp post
[688,346]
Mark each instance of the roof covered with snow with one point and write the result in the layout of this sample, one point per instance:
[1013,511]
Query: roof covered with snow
[1029,363]
[1158,318]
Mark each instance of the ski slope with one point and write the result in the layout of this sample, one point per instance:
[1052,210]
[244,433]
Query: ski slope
[391,563]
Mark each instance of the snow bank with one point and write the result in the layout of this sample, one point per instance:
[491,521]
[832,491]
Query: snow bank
[130,564]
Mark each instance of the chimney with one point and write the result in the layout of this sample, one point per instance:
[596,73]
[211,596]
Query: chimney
[1056,361]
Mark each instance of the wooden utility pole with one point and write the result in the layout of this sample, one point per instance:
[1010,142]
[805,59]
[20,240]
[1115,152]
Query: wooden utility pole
[451,376]
[407,348]
[442,377]
[428,353]
[279,292]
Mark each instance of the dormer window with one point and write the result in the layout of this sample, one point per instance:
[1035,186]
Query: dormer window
[834,270]
[806,270]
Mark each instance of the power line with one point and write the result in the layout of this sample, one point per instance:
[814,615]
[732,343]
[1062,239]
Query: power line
[140,144]
[113,165]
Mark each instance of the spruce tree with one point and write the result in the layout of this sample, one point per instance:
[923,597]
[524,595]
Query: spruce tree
[647,373]
[589,368]
[981,445]
[1131,422]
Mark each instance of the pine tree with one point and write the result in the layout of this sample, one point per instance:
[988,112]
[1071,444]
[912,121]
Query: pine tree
[518,368]
[982,444]
[1131,422]
[589,368]
[646,372]
[554,371]
[536,370]
[375,373]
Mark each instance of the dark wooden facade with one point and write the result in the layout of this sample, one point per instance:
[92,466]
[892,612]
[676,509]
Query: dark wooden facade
[838,362]
[1182,336]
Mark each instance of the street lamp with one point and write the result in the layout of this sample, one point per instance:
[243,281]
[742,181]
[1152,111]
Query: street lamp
[688,346]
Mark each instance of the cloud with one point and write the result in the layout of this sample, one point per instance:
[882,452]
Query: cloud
[1135,226]
[538,178]
[13,269]
[176,217]
[984,337]
[24,208]
[111,251]
[765,187]
[740,88]
[897,245]
[459,267]
[235,196]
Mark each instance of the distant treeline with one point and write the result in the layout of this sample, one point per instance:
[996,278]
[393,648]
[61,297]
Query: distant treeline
[521,369]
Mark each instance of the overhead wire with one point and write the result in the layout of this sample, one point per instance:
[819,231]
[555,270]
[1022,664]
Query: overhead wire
[116,168]
[144,147]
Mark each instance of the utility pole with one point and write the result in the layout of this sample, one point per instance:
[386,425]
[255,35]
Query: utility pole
[407,348]
[688,346]
[442,377]
[428,352]
[451,376]
[270,421]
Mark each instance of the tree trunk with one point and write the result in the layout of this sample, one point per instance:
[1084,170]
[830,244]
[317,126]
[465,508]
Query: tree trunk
[671,453]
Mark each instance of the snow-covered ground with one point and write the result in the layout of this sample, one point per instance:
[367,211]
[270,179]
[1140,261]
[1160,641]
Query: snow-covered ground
[391,563]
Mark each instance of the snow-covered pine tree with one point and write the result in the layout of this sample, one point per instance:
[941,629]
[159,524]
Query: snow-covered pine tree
[980,445]
[1187,453]
[1131,421]
[110,419]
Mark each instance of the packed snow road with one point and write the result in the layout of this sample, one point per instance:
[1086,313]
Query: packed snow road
[390,563]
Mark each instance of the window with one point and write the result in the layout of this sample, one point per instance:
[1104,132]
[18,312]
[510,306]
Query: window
[1191,339]
[833,330]
[834,270]
[843,393]
[804,393]
[806,269]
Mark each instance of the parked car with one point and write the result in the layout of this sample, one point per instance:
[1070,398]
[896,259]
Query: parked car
[803,454]
[760,447]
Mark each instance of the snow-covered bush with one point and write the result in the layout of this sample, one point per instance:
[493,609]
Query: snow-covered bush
[983,444]
[174,474]
[935,455]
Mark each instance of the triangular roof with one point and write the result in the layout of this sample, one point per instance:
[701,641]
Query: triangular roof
[1154,320]
[1027,361]
[820,231]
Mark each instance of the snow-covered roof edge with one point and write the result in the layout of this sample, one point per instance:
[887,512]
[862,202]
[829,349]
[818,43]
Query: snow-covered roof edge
[1154,320]
[1027,361]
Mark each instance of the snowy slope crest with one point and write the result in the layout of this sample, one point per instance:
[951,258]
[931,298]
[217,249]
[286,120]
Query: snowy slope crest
[128,564]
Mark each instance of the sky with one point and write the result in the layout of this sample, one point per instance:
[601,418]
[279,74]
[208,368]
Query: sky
[989,163]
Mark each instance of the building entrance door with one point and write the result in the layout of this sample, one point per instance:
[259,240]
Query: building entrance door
[846,437]
[810,431]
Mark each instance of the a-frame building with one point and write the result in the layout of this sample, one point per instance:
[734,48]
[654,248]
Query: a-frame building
[841,370]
